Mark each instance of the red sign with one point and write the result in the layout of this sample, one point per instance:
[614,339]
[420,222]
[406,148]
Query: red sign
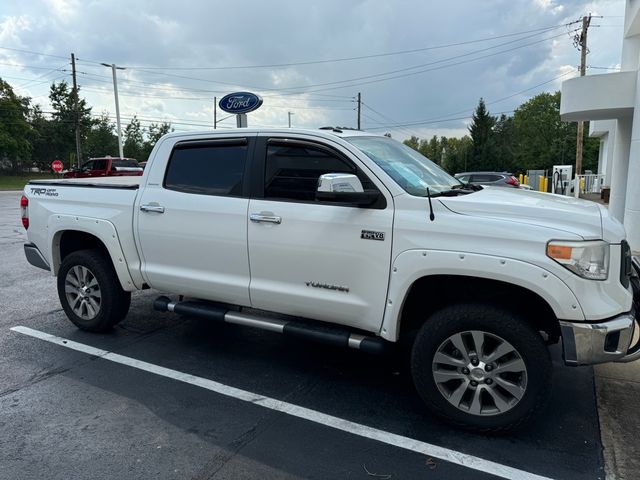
[57,166]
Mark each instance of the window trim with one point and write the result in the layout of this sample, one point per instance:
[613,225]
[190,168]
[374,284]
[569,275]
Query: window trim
[259,164]
[215,142]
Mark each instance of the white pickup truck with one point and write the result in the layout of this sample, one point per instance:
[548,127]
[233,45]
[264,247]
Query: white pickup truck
[353,239]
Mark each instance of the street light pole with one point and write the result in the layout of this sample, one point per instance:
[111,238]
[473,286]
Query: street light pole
[115,92]
[290,113]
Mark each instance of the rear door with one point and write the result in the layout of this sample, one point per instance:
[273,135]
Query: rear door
[310,258]
[192,223]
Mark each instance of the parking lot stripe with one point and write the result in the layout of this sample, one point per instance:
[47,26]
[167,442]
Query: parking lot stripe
[452,456]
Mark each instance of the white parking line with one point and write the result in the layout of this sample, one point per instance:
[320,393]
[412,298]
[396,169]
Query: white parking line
[452,456]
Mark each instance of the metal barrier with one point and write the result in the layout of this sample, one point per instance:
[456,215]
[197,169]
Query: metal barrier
[591,183]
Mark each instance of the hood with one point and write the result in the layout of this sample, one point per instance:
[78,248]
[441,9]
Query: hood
[566,214]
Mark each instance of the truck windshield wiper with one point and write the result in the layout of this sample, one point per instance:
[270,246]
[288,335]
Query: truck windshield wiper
[452,192]
[467,186]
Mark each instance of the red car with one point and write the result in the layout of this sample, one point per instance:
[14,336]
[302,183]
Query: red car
[106,167]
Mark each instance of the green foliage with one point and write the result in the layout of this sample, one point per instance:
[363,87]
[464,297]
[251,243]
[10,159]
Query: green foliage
[533,138]
[15,131]
[482,138]
[101,139]
[135,145]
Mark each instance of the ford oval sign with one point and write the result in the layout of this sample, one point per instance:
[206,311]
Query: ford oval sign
[240,102]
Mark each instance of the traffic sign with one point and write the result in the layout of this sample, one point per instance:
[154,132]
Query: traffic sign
[57,166]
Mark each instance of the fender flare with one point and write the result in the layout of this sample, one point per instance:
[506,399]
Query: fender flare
[412,265]
[103,230]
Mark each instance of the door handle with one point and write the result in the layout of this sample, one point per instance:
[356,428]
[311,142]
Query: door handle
[152,208]
[260,218]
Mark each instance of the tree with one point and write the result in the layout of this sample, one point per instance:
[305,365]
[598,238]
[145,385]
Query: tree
[504,156]
[101,139]
[156,131]
[43,140]
[134,139]
[481,131]
[543,140]
[15,131]
[64,121]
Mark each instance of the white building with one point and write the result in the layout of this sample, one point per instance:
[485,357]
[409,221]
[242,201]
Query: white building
[613,100]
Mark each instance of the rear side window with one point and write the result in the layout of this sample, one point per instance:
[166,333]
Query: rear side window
[207,169]
[99,165]
[124,164]
[485,177]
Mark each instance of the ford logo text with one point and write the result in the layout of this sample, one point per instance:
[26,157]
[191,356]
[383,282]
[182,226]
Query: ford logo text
[240,102]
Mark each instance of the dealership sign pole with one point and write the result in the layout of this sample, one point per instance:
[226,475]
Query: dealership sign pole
[240,103]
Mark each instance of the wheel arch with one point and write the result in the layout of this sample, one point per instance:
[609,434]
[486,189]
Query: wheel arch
[93,234]
[444,289]
[423,281]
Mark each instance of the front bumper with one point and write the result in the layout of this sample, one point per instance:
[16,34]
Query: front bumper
[606,341]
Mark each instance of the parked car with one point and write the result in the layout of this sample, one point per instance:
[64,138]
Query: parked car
[498,179]
[106,167]
[355,240]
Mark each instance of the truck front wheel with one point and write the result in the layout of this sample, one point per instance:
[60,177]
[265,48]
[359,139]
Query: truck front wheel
[481,367]
[90,292]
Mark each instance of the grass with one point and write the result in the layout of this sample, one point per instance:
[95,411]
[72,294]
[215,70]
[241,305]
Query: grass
[17,182]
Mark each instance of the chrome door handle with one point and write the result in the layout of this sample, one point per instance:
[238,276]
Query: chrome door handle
[258,217]
[152,208]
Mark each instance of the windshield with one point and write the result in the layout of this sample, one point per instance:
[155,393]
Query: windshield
[408,168]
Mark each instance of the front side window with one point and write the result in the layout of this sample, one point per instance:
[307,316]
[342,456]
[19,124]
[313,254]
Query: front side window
[88,165]
[292,171]
[207,169]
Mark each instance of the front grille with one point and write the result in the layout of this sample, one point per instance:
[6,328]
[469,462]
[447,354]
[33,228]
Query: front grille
[625,264]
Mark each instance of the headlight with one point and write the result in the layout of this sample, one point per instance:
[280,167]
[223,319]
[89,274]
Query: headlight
[589,259]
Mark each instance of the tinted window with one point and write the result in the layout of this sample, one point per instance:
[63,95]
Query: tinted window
[99,165]
[125,164]
[88,165]
[207,169]
[485,177]
[292,171]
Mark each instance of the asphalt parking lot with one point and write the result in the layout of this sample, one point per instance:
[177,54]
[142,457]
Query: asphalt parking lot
[78,410]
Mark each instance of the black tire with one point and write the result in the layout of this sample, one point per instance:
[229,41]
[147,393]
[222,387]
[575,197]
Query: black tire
[113,302]
[495,322]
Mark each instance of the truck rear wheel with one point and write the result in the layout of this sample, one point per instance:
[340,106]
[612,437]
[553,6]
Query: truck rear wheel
[481,368]
[90,292]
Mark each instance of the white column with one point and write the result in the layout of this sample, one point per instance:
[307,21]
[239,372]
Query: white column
[620,167]
[632,201]
[611,139]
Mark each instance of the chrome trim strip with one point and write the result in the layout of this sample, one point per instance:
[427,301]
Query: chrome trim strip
[271,324]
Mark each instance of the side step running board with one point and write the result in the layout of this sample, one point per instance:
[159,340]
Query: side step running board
[294,328]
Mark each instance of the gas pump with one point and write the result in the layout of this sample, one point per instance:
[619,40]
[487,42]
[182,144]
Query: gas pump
[561,180]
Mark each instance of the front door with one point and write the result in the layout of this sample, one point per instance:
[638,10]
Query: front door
[315,259]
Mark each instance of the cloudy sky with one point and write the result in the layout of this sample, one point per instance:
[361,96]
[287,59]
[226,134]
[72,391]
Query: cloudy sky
[421,66]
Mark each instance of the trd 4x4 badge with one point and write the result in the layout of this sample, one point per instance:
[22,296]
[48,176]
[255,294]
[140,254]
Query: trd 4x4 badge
[372,235]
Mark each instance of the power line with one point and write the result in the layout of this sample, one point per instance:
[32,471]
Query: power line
[419,71]
[359,57]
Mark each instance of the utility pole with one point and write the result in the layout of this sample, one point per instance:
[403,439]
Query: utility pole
[115,92]
[290,113]
[359,108]
[75,107]
[580,42]
[215,112]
